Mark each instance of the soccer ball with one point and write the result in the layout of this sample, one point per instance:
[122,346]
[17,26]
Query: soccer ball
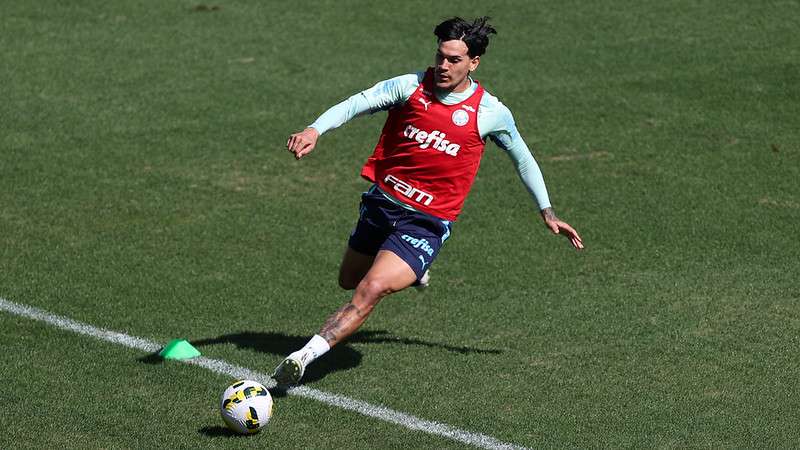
[246,406]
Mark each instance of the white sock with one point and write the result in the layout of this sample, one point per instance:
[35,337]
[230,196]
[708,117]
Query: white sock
[315,348]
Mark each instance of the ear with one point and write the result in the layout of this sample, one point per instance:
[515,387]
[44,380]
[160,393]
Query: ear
[473,63]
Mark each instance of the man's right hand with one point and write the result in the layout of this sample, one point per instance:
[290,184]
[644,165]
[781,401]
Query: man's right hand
[303,142]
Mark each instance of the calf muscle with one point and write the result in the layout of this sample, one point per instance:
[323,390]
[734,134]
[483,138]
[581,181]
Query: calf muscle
[343,323]
[388,274]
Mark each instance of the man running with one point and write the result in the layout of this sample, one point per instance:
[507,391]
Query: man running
[422,168]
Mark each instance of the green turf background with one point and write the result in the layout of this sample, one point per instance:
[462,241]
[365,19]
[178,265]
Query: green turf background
[144,188]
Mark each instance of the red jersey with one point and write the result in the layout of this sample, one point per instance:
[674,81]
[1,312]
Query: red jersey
[429,153]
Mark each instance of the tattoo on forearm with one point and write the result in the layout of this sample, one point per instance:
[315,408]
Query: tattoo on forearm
[340,324]
[549,214]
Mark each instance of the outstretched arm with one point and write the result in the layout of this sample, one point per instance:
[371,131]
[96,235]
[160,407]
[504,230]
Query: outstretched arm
[382,96]
[507,137]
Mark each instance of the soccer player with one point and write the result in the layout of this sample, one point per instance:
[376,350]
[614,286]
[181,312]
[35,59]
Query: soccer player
[422,169]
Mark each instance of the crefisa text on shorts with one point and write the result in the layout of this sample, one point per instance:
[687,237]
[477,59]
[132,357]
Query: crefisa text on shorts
[422,244]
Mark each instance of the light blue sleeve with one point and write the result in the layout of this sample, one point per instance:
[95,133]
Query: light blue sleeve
[503,131]
[380,97]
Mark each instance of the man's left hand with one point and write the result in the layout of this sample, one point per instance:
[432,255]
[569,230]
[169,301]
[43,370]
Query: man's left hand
[558,226]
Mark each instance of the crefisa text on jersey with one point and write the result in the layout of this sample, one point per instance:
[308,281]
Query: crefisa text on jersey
[435,137]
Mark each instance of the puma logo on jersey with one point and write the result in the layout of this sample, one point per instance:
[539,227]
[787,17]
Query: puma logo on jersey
[434,138]
[425,104]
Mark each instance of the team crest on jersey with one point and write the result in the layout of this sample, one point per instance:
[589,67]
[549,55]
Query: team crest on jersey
[460,117]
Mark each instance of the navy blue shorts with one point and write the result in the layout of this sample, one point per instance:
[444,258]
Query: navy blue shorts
[384,225]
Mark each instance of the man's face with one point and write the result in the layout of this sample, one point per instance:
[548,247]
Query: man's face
[453,65]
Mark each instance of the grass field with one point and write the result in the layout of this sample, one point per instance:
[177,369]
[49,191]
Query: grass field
[145,188]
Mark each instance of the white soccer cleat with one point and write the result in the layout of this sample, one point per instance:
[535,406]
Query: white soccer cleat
[290,370]
[425,281]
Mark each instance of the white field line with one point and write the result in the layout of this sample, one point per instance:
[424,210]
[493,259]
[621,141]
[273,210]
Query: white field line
[238,372]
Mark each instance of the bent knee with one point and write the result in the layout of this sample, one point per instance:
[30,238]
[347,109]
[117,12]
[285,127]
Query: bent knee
[374,288]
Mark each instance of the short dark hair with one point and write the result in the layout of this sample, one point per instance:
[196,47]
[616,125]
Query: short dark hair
[475,34]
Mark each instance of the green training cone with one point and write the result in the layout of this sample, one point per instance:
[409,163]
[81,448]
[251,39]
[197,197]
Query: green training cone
[179,349]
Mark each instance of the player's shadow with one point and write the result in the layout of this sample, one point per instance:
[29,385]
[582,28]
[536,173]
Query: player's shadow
[340,357]
[383,337]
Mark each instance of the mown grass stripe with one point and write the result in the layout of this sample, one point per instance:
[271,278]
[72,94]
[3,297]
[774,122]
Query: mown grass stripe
[234,371]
